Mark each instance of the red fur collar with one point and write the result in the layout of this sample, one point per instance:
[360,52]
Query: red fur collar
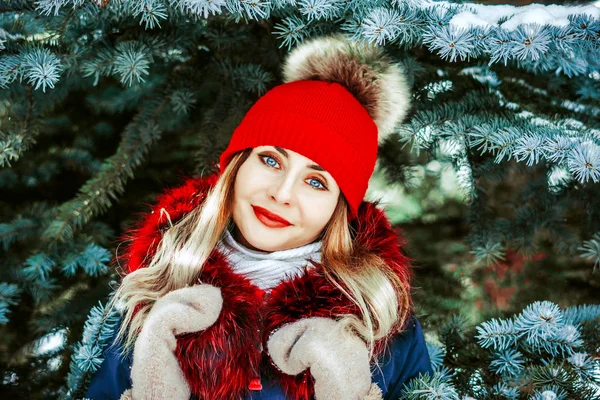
[220,362]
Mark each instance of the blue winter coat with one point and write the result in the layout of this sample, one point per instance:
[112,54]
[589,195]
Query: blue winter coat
[406,358]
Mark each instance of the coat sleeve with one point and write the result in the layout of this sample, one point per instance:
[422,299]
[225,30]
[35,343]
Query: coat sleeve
[113,377]
[405,358]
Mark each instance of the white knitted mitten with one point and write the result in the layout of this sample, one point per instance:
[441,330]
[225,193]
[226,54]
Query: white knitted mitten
[338,361]
[155,373]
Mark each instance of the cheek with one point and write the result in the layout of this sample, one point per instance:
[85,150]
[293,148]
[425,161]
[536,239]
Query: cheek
[249,179]
[318,213]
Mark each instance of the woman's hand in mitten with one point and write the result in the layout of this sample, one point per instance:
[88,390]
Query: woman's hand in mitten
[338,361]
[155,371]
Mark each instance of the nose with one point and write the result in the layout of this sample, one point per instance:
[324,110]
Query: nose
[282,190]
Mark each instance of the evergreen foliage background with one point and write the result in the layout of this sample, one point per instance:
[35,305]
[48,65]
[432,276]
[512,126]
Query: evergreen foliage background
[494,177]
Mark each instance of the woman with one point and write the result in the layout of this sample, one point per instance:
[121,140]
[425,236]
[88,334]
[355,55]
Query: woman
[274,279]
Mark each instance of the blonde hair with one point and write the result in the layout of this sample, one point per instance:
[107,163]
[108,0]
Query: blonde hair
[365,278]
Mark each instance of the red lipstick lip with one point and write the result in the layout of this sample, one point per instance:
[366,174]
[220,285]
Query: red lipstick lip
[273,217]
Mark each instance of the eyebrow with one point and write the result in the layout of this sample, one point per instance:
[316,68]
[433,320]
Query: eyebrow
[286,155]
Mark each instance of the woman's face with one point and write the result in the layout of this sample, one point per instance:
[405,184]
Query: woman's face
[289,185]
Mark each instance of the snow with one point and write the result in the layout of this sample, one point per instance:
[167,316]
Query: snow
[480,15]
[51,342]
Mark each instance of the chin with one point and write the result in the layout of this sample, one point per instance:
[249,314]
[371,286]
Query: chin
[262,242]
[268,249]
[261,239]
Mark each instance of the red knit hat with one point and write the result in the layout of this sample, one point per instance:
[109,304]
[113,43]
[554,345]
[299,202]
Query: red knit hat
[340,101]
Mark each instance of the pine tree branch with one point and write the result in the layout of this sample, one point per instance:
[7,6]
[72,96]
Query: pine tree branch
[94,197]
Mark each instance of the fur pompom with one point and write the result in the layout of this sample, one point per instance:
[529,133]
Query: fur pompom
[363,69]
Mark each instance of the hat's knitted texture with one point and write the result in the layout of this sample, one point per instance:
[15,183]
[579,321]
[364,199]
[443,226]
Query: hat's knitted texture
[338,93]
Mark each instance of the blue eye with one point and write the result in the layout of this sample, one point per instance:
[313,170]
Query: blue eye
[270,158]
[274,164]
[320,183]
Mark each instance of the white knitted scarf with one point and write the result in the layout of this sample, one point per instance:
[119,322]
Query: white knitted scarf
[265,269]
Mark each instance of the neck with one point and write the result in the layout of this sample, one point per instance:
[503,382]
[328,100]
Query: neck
[267,269]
